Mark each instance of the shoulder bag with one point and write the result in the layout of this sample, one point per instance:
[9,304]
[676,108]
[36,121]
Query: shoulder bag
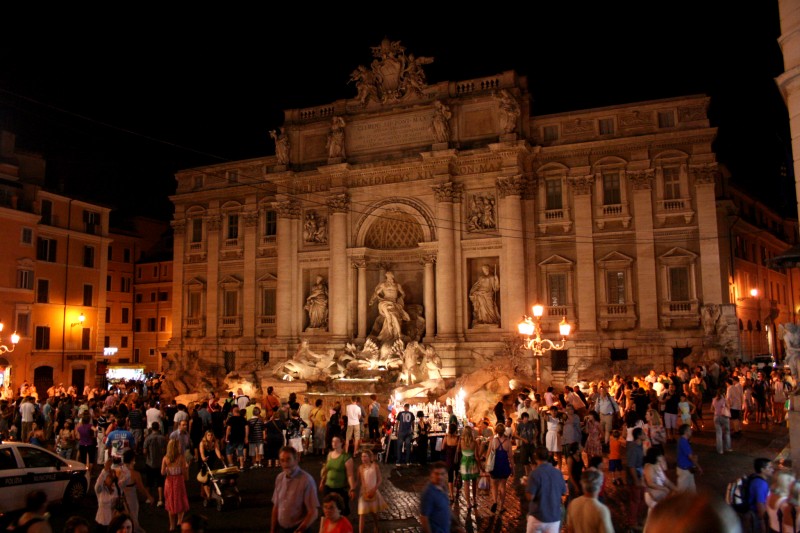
[490,457]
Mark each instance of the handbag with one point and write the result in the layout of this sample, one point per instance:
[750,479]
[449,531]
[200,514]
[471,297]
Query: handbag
[490,459]
[202,476]
[483,482]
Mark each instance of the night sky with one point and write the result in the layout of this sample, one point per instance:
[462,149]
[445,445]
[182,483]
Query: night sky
[118,103]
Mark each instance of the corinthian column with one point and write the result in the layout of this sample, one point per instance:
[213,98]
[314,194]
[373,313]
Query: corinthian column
[512,281]
[361,282]
[338,206]
[646,273]
[446,194]
[178,295]
[429,298]
[288,214]
[213,223]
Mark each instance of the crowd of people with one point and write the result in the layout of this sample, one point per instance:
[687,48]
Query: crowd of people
[567,442]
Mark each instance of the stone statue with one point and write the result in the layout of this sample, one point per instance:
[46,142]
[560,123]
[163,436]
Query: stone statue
[315,229]
[441,122]
[509,112]
[366,83]
[432,363]
[413,75]
[317,304]
[482,296]
[711,314]
[481,213]
[336,139]
[389,295]
[791,337]
[281,146]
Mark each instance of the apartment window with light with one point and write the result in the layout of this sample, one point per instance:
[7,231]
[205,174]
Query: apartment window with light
[606,126]
[42,338]
[88,256]
[672,183]
[46,249]
[23,324]
[87,295]
[666,119]
[233,226]
[42,291]
[270,223]
[26,236]
[553,195]
[25,279]
[615,286]
[612,191]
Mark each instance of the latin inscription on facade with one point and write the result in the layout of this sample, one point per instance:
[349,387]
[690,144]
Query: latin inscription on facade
[385,179]
[388,132]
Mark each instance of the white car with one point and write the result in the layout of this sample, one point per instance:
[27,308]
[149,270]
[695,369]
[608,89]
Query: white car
[26,467]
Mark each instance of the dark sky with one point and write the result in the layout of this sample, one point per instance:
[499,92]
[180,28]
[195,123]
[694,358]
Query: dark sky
[118,103]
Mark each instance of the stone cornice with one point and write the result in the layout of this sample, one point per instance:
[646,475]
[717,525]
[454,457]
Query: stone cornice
[673,140]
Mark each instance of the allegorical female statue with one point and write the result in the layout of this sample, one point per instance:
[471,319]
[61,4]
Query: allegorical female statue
[317,304]
[391,307]
[482,296]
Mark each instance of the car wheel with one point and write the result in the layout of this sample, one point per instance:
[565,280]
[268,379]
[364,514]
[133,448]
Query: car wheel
[76,490]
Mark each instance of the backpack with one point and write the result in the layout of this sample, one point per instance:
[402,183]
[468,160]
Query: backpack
[736,494]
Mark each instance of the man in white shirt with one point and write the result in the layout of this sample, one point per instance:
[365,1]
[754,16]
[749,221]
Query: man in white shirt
[242,400]
[27,411]
[153,414]
[353,413]
[735,397]
[305,416]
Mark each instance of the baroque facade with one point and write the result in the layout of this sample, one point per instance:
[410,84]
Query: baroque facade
[478,209]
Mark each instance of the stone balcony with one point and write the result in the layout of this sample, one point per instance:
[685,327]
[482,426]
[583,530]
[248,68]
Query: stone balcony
[679,314]
[679,207]
[617,316]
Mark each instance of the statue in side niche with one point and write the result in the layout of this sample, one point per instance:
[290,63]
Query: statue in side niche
[281,146]
[317,304]
[441,122]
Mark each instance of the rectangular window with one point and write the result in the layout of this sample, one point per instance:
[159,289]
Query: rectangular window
[152,296]
[46,249]
[197,230]
[26,237]
[25,279]
[42,340]
[152,352]
[138,297]
[550,133]
[557,289]
[606,126]
[268,302]
[24,324]
[553,195]
[679,284]
[615,280]
[559,360]
[126,255]
[91,220]
[270,223]
[163,296]
[87,295]
[231,303]
[618,354]
[612,194]
[125,284]
[195,299]
[106,341]
[88,256]
[108,283]
[126,312]
[86,338]
[139,273]
[155,271]
[666,119]
[197,182]
[108,315]
[162,324]
[42,291]
[233,176]
[233,226]
[46,210]
[110,252]
[123,342]
[672,183]
[151,324]
[137,325]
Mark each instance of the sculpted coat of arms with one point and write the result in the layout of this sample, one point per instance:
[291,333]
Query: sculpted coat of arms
[391,76]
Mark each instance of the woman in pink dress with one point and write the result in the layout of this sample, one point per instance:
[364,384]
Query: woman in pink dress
[174,467]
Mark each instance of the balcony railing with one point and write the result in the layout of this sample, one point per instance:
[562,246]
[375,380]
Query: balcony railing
[612,213]
[673,205]
[230,322]
[232,243]
[680,313]
[617,316]
[676,207]
[267,320]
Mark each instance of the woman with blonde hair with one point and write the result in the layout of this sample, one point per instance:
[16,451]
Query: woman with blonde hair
[211,459]
[469,466]
[788,510]
[174,467]
[654,428]
[779,487]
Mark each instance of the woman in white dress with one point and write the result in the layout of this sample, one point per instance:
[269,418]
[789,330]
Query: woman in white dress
[370,501]
[656,483]
[552,439]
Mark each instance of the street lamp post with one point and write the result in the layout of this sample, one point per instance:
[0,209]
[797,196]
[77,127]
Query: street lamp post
[14,340]
[531,328]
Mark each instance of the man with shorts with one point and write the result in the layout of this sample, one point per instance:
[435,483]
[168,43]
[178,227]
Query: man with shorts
[670,400]
[255,430]
[735,397]
[526,436]
[353,413]
[236,431]
[155,448]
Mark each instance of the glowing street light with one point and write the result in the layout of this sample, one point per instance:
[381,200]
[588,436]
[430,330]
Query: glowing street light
[531,329]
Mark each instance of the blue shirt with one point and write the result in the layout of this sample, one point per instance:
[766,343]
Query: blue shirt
[546,486]
[405,424]
[757,492]
[435,506]
[684,451]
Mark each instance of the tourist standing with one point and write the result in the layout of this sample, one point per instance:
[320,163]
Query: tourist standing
[606,407]
[435,515]
[318,420]
[211,459]
[373,421]
[332,520]
[87,441]
[274,442]
[635,468]
[256,438]
[108,493]
[755,519]
[235,437]
[545,489]
[155,448]
[370,501]
[130,482]
[722,421]
[405,431]
[174,467]
[503,466]
[450,451]
[735,397]
[338,474]
[423,429]
[687,460]
[469,469]
[294,500]
[594,435]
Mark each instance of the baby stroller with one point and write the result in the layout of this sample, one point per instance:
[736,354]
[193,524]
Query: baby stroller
[224,487]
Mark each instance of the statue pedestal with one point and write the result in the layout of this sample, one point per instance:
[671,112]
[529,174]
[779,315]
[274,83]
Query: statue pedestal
[439,146]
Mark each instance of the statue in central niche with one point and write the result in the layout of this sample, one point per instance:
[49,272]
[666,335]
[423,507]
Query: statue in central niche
[389,295]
